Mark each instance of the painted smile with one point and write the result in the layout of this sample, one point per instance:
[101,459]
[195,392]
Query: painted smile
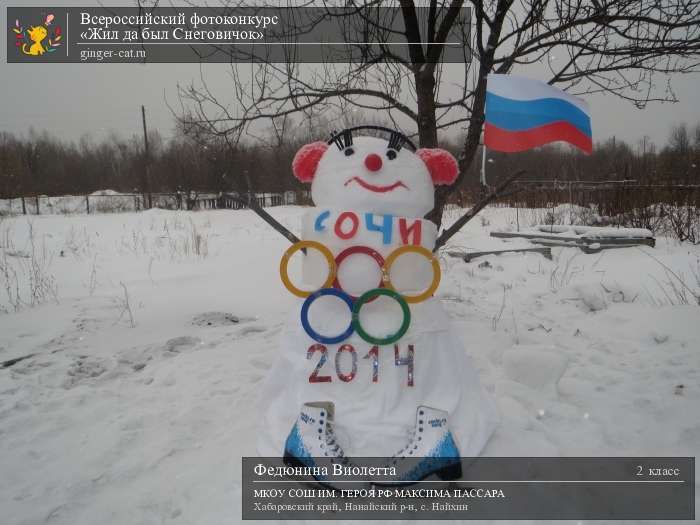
[376,189]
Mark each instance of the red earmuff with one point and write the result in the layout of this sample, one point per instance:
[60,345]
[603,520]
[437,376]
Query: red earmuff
[441,164]
[306,160]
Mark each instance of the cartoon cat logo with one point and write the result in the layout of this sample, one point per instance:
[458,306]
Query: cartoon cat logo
[31,41]
[37,35]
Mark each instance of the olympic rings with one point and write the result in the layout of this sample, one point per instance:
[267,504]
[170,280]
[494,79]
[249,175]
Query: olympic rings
[355,325]
[305,316]
[368,296]
[386,269]
[356,303]
[351,251]
[295,248]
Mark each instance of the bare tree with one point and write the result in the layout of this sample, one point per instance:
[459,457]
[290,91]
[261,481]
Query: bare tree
[610,46]
[679,140]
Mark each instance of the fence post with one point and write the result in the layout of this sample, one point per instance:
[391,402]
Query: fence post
[24,206]
[37,204]
[87,204]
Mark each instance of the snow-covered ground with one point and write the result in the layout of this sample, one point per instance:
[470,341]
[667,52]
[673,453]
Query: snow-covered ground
[140,413]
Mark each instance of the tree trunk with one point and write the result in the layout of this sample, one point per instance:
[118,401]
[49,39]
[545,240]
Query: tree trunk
[471,143]
[427,126]
[427,122]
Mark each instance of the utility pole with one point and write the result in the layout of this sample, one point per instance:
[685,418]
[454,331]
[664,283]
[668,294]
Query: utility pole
[147,159]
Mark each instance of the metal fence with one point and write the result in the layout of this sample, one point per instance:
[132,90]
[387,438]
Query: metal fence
[130,202]
[611,198]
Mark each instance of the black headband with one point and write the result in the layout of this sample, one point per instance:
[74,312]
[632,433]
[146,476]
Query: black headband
[397,140]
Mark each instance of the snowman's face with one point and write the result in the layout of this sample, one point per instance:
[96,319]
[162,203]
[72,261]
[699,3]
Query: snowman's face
[370,176]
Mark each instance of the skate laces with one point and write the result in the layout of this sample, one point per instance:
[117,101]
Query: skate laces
[333,445]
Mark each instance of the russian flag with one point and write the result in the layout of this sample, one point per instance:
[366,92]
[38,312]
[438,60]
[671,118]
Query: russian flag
[522,113]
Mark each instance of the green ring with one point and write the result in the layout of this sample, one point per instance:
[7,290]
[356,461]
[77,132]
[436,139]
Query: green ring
[368,296]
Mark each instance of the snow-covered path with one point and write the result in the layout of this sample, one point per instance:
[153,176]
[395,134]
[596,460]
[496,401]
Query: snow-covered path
[112,423]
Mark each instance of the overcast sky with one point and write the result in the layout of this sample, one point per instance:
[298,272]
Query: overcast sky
[70,100]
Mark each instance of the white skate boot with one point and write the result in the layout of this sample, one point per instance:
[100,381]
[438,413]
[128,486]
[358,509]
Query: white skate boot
[312,443]
[431,449]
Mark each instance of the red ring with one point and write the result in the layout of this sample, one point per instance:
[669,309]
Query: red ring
[366,250]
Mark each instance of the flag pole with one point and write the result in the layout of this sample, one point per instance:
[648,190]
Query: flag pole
[483,164]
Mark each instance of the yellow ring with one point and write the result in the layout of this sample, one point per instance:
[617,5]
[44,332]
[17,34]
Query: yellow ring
[386,269]
[300,246]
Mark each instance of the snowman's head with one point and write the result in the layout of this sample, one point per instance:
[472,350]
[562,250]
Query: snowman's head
[374,174]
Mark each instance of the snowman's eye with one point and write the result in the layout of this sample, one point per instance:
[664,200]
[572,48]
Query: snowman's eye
[349,151]
[391,154]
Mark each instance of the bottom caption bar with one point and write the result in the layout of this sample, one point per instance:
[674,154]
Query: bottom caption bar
[658,488]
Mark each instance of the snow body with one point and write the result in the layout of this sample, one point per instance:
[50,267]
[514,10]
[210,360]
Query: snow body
[361,202]
[373,419]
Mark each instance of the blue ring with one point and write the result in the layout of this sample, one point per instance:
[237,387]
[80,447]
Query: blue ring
[305,316]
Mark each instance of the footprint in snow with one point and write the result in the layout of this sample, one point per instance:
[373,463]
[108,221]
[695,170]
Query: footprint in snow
[82,370]
[259,364]
[246,330]
[219,319]
[178,344]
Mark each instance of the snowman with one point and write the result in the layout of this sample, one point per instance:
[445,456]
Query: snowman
[368,364]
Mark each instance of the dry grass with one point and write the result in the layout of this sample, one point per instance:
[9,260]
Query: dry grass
[26,275]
